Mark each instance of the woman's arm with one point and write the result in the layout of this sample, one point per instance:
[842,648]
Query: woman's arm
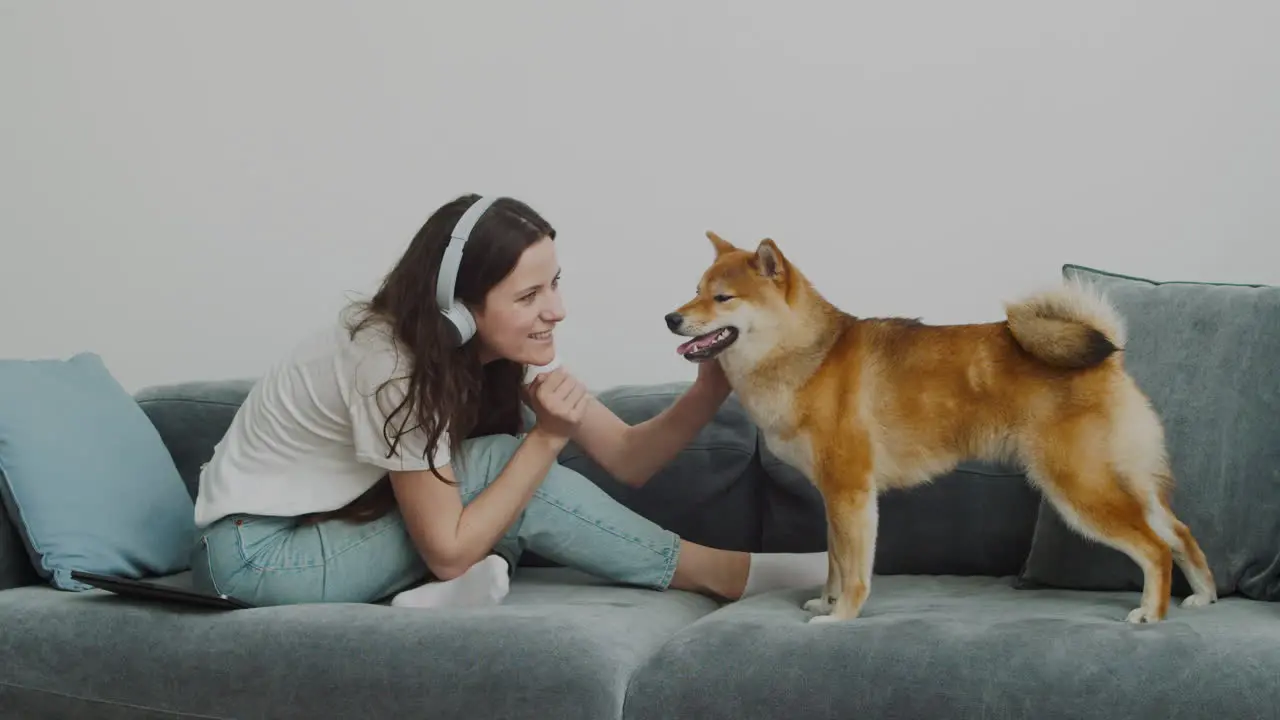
[451,538]
[633,453]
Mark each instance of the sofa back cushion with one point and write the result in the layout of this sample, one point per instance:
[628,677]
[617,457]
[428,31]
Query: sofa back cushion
[191,418]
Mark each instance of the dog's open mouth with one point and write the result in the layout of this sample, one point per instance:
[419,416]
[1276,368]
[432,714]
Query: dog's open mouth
[705,347]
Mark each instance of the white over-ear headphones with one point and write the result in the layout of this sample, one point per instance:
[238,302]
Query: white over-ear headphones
[460,319]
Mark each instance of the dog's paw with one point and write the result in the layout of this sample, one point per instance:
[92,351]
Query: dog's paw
[1141,615]
[835,617]
[1198,600]
[817,619]
[820,605]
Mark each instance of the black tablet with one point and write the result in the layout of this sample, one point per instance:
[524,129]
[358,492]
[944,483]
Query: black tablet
[158,589]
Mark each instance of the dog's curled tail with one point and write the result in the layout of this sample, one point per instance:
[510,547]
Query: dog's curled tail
[1071,326]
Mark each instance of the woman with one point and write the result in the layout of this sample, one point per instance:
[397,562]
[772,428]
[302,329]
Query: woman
[387,450]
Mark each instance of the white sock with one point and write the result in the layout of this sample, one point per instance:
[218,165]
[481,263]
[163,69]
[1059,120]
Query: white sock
[778,571]
[485,583]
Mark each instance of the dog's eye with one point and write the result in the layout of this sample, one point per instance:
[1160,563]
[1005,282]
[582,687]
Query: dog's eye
[723,298]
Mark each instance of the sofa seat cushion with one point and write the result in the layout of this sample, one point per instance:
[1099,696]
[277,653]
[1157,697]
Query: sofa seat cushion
[562,646]
[965,647]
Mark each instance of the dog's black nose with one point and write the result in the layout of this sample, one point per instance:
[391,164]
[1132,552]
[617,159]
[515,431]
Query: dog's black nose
[674,320]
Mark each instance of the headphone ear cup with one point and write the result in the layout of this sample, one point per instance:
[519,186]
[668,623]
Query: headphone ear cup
[466,324]
[462,323]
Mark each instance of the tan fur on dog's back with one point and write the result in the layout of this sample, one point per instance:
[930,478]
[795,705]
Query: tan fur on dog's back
[865,405]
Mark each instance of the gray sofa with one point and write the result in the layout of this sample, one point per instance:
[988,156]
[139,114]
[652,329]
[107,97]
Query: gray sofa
[960,623]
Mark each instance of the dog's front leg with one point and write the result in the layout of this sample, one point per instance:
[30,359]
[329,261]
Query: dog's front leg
[852,515]
[822,605]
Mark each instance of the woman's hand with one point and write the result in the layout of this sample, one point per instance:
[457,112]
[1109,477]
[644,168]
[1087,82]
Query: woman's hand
[560,401]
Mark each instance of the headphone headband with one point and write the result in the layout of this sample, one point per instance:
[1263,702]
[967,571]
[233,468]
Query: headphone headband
[452,259]
[447,279]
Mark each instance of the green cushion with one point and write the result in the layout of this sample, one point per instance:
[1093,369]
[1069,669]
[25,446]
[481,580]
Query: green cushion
[1208,356]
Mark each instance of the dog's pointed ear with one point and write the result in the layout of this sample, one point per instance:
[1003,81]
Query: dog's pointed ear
[721,245]
[769,260]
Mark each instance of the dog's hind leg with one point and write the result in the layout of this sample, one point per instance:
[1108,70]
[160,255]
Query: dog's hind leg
[1186,553]
[1139,457]
[1096,503]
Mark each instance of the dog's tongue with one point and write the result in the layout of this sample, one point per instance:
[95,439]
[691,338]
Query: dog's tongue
[695,344]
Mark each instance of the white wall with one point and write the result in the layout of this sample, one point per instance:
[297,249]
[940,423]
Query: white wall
[184,186]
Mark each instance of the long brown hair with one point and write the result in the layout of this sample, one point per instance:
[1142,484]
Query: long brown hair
[448,388]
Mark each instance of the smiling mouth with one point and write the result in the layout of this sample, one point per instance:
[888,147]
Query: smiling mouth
[546,335]
[706,347]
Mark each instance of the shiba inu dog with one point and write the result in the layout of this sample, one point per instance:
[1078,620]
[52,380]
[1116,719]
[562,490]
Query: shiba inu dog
[864,405]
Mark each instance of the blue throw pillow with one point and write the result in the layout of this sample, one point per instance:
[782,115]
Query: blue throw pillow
[85,476]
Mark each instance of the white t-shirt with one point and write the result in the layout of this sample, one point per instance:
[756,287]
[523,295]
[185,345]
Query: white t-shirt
[309,435]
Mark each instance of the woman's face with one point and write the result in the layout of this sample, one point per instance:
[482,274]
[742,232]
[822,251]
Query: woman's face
[520,312]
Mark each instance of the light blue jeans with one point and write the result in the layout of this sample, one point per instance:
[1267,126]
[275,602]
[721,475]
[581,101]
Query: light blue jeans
[570,521]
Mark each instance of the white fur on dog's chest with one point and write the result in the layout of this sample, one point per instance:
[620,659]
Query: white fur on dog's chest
[771,406]
[774,417]
[795,450]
